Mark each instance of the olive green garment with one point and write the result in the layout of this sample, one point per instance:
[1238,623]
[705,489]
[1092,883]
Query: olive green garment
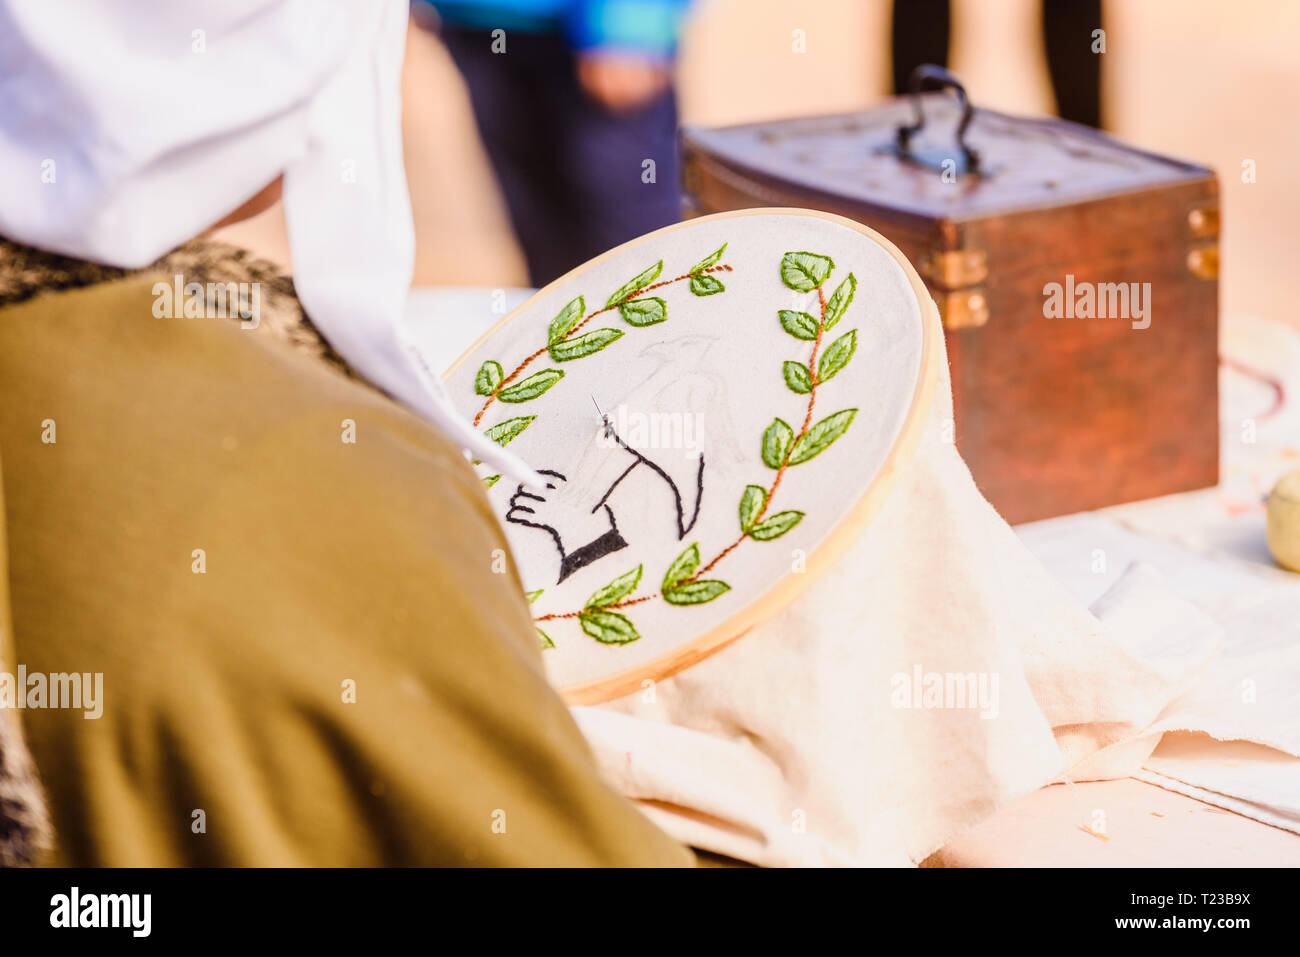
[186,517]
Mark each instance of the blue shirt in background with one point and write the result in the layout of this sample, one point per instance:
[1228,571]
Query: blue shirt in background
[644,26]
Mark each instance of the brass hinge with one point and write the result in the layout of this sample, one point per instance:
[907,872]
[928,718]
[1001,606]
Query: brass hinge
[963,309]
[1203,262]
[955,269]
[1203,222]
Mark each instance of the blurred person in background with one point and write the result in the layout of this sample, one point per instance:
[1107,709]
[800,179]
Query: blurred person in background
[921,32]
[575,105]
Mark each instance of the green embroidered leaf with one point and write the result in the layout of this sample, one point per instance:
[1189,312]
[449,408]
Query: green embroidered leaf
[543,639]
[503,432]
[635,284]
[488,378]
[708,260]
[585,345]
[607,627]
[837,356]
[797,377]
[491,480]
[751,503]
[565,320]
[644,312]
[683,566]
[776,442]
[677,590]
[695,593]
[706,285]
[532,387]
[805,271]
[774,526]
[798,324]
[616,590]
[817,439]
[840,301]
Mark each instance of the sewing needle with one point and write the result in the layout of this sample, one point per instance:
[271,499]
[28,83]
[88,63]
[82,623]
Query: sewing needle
[604,419]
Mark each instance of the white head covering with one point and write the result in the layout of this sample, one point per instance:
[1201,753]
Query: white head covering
[130,126]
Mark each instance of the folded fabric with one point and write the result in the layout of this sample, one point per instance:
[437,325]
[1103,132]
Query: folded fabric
[1103,697]
[1251,693]
[1250,779]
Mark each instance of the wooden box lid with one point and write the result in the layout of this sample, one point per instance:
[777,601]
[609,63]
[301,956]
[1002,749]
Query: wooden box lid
[1023,163]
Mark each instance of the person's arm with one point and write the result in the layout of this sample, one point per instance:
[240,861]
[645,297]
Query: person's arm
[314,645]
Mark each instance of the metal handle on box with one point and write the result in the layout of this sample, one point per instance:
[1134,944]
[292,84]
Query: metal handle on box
[928,74]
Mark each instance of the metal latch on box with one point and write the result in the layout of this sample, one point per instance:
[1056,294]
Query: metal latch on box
[956,278]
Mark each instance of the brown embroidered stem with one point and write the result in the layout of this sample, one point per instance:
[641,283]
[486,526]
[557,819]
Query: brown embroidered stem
[621,604]
[718,557]
[546,348]
[785,463]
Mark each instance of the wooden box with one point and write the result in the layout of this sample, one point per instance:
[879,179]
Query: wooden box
[1015,230]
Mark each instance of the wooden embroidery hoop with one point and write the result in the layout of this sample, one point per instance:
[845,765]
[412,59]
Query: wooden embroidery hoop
[833,546]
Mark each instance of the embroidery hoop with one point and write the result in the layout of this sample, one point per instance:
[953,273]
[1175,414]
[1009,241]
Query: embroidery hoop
[831,548]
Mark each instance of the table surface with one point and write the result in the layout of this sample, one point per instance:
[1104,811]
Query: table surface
[1133,824]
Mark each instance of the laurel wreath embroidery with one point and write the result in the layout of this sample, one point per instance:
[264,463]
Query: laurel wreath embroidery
[603,616]
[564,344]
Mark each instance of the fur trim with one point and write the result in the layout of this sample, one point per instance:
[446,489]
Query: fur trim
[26,272]
[24,822]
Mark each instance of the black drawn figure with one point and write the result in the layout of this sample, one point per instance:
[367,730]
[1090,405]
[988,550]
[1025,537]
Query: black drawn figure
[587,531]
